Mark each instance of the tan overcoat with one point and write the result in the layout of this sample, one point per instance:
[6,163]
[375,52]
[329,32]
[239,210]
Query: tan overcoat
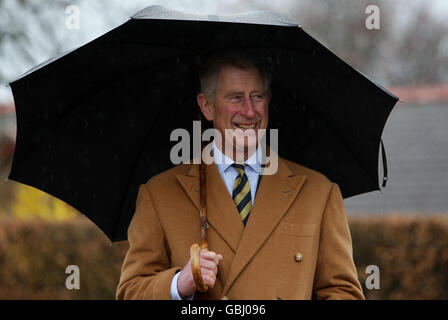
[296,244]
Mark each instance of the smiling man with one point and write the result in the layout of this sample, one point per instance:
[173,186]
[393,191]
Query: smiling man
[284,236]
[235,97]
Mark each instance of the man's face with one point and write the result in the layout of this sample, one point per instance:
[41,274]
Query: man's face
[240,103]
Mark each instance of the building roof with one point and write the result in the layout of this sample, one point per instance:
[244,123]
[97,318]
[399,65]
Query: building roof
[422,94]
[6,108]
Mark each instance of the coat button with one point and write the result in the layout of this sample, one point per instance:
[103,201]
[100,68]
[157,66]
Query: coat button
[298,257]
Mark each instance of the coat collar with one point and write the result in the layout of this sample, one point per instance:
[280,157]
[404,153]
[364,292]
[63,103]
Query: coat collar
[274,196]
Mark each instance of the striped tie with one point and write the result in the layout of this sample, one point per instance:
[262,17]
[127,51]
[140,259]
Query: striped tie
[241,192]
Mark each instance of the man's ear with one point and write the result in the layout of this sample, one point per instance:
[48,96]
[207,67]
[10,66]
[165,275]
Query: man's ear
[206,106]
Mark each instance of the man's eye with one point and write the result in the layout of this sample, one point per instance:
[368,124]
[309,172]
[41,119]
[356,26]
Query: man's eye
[257,97]
[235,98]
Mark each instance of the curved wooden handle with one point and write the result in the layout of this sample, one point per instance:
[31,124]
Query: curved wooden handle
[195,250]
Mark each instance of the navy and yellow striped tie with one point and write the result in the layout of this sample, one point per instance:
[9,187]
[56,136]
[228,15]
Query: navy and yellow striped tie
[241,192]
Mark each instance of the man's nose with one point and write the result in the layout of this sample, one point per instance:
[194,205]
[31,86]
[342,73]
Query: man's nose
[248,108]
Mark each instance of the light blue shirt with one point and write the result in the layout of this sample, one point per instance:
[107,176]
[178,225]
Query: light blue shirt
[228,175]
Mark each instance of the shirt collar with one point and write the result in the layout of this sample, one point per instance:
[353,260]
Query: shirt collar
[223,162]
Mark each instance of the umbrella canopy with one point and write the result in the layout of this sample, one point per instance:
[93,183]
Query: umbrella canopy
[95,123]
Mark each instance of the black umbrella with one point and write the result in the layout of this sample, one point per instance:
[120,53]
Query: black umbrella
[95,123]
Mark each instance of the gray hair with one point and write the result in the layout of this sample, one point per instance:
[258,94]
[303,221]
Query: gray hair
[209,73]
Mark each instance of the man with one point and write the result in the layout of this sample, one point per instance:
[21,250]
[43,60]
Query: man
[279,236]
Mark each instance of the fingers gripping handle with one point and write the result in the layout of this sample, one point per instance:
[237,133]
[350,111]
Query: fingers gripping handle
[195,250]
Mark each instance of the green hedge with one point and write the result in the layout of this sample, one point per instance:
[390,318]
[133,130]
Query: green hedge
[411,253]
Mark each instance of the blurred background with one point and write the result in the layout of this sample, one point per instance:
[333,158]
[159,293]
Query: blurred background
[402,229]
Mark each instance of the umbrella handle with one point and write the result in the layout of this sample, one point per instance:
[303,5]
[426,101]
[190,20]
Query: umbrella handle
[195,250]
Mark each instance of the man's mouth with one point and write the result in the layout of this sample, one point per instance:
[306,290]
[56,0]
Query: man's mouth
[245,126]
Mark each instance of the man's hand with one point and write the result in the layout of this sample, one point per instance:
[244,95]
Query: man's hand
[209,262]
